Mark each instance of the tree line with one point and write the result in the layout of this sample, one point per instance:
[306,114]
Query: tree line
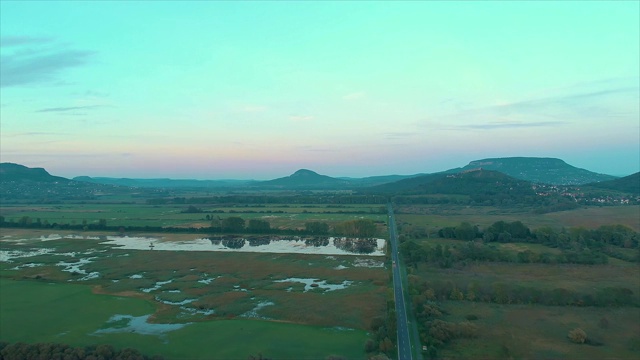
[540,204]
[383,333]
[510,293]
[446,256]
[501,231]
[436,333]
[231,224]
[577,245]
[273,199]
[53,351]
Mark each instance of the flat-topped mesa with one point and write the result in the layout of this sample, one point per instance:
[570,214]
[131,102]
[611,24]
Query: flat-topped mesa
[538,170]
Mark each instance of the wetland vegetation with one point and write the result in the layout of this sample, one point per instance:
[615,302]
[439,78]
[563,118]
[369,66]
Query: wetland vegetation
[506,284]
[243,279]
[184,273]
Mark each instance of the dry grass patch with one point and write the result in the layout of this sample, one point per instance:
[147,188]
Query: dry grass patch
[585,278]
[215,301]
[594,217]
[521,331]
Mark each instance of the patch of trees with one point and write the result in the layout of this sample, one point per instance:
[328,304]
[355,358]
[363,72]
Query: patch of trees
[51,351]
[358,246]
[230,224]
[233,224]
[508,293]
[316,228]
[446,256]
[259,226]
[356,228]
[363,228]
[441,332]
[435,332]
[317,241]
[192,210]
[384,333]
[578,245]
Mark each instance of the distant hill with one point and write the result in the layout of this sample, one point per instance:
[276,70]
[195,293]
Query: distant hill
[405,185]
[301,179]
[164,183]
[473,187]
[306,179]
[628,184]
[377,180]
[470,182]
[16,172]
[21,183]
[537,170]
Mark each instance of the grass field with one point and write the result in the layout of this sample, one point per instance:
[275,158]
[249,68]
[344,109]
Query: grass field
[293,216]
[534,331]
[36,311]
[540,332]
[435,217]
[582,278]
[231,299]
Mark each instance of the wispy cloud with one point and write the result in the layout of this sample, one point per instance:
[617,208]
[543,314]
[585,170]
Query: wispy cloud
[511,125]
[34,60]
[354,96]
[310,148]
[8,41]
[399,135]
[36,133]
[301,117]
[608,101]
[575,102]
[253,108]
[92,94]
[69,108]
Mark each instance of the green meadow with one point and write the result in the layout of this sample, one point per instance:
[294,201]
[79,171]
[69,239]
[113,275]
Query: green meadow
[216,293]
[540,332]
[140,214]
[507,308]
[37,311]
[434,217]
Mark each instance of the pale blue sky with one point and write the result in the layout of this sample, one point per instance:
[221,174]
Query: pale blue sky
[260,89]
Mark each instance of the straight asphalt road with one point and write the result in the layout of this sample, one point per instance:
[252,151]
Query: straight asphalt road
[404,342]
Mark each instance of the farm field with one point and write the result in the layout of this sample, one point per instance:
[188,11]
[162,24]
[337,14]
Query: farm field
[289,305]
[137,214]
[504,304]
[50,304]
[540,332]
[502,307]
[573,277]
[434,217]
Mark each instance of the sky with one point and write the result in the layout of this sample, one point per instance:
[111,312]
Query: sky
[257,90]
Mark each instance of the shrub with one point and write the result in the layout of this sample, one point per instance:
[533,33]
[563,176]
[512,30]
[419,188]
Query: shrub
[578,336]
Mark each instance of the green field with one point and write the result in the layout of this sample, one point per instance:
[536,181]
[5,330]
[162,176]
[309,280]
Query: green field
[540,332]
[434,217]
[221,293]
[241,304]
[510,306]
[37,311]
[280,216]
